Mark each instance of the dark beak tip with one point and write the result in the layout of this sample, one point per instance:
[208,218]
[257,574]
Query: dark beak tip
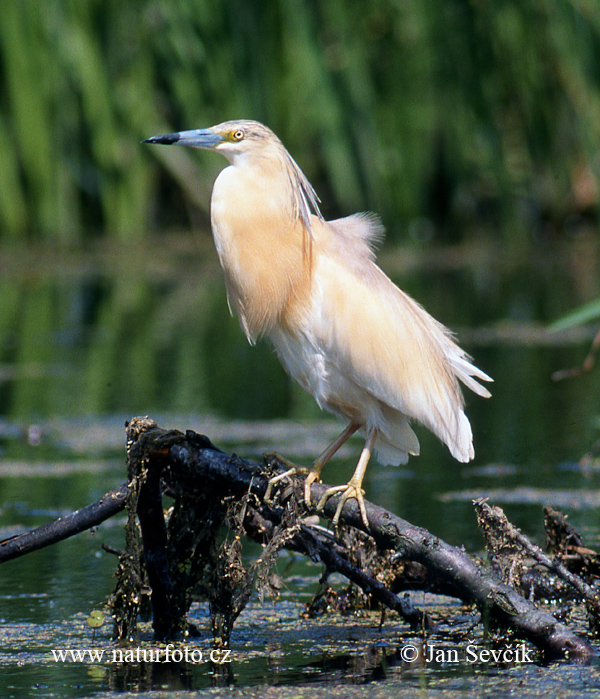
[167,139]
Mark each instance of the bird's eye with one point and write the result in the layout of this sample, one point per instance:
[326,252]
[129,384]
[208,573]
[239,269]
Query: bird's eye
[238,135]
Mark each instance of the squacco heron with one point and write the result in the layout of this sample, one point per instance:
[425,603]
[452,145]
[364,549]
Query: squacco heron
[360,346]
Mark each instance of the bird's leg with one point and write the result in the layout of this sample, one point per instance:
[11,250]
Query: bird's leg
[292,469]
[314,474]
[353,489]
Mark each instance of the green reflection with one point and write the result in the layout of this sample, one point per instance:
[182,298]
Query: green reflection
[106,340]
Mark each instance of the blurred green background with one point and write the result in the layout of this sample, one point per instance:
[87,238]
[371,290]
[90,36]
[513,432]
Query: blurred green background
[454,111]
[471,127]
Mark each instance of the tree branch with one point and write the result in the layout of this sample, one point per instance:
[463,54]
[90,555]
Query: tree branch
[190,464]
[64,527]
[472,582]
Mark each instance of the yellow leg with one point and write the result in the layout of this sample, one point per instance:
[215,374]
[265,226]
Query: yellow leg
[314,473]
[353,489]
[292,470]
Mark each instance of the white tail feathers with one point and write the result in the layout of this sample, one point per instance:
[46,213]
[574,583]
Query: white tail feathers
[462,446]
[465,371]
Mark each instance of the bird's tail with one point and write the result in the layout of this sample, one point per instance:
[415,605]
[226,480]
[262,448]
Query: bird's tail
[468,372]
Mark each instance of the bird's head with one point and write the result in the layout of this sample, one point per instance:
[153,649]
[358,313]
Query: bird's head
[231,138]
[246,142]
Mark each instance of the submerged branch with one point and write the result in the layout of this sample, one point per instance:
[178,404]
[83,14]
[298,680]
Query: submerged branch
[472,583]
[502,529]
[64,527]
[335,561]
[212,489]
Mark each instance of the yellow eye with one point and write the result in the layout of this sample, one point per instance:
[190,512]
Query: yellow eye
[238,135]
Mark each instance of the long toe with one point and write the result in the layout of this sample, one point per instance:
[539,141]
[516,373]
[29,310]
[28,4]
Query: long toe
[351,491]
[328,493]
[271,456]
[348,491]
[311,478]
[272,482]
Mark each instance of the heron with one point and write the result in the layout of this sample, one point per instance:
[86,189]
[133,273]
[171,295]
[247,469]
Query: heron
[364,349]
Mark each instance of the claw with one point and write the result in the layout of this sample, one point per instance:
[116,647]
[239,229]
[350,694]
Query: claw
[286,474]
[348,491]
[351,490]
[311,478]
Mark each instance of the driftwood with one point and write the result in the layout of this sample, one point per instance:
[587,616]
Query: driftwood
[502,536]
[64,527]
[211,488]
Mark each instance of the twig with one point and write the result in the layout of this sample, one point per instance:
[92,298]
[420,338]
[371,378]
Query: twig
[588,363]
[64,527]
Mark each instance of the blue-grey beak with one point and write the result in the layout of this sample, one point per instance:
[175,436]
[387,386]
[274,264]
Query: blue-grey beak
[198,138]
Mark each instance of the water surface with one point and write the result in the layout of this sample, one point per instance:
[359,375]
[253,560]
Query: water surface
[90,340]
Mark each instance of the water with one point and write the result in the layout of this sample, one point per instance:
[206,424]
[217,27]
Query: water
[89,341]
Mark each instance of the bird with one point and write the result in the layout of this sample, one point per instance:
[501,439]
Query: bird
[363,348]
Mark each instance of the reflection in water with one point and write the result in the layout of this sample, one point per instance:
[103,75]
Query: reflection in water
[83,349]
[123,332]
[120,337]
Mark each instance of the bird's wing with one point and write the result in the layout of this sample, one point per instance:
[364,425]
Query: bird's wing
[386,343]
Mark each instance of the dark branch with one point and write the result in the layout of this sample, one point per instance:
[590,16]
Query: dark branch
[190,464]
[334,561]
[472,582]
[74,523]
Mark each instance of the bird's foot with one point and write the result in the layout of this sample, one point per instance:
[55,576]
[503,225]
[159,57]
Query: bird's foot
[311,478]
[292,470]
[348,491]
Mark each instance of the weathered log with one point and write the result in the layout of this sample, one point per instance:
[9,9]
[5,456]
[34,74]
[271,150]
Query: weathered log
[189,461]
[472,582]
[64,527]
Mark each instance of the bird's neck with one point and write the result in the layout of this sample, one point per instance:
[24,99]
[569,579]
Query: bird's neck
[264,249]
